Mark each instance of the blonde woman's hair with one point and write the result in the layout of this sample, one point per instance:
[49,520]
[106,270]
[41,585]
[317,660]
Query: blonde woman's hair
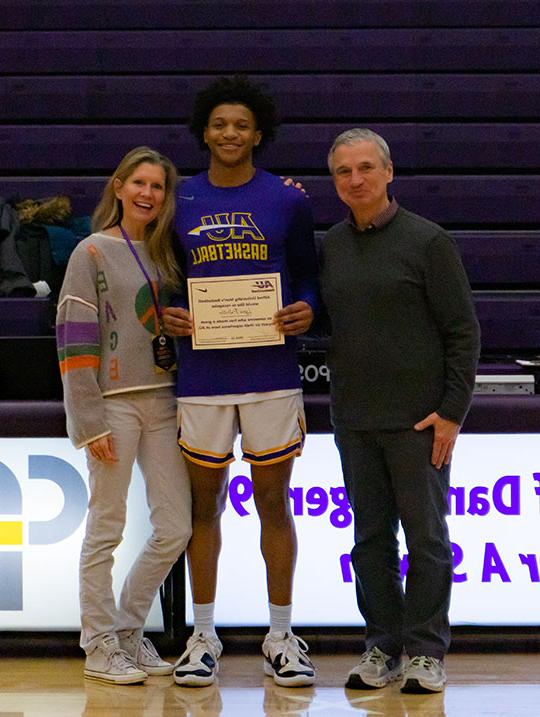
[159,232]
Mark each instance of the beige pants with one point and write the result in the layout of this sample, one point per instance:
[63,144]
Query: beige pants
[143,427]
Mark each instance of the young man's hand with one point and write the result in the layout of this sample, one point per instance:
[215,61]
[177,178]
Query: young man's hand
[177,321]
[294,319]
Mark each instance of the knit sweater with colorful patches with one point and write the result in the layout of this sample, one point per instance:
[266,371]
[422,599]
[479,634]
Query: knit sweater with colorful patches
[105,325]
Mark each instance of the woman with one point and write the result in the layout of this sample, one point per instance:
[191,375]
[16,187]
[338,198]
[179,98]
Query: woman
[117,370]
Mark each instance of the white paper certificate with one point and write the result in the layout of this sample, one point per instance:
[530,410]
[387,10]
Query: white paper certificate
[235,311]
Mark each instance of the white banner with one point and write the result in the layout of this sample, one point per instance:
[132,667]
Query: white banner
[494,526]
[43,499]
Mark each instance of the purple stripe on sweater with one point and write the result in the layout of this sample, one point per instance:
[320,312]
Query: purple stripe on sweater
[77,332]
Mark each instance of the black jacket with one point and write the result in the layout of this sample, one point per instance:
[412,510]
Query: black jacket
[14,280]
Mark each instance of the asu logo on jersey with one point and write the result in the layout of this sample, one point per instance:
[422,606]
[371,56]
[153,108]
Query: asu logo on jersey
[228,226]
[234,235]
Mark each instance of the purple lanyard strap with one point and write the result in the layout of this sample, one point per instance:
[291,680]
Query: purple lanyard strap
[155,296]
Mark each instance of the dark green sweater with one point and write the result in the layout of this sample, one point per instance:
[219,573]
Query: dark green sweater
[405,338]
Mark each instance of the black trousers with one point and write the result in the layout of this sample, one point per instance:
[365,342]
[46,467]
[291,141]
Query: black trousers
[389,478]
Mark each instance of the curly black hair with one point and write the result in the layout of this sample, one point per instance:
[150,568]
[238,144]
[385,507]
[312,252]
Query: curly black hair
[235,90]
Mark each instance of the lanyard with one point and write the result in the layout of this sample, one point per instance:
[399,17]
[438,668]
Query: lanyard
[155,296]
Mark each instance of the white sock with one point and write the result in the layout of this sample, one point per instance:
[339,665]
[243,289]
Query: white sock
[203,617]
[280,617]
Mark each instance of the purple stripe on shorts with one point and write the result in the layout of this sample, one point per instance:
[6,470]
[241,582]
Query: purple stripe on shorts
[274,455]
[209,460]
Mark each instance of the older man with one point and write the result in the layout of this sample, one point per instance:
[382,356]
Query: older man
[404,349]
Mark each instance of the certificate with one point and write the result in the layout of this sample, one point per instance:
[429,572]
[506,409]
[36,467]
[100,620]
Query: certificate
[235,311]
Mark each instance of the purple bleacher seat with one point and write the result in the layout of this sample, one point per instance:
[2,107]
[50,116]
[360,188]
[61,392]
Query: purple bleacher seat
[25,317]
[509,320]
[508,258]
[449,200]
[423,146]
[501,367]
[509,324]
[488,414]
[313,50]
[504,258]
[29,369]
[503,414]
[345,97]
[32,419]
[57,148]
[465,200]
[102,14]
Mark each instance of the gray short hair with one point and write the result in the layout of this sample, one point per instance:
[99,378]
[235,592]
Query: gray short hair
[352,136]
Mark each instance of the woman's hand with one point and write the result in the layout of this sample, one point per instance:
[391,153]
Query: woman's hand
[102,449]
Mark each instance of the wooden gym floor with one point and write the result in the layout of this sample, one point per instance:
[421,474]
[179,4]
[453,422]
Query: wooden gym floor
[478,684]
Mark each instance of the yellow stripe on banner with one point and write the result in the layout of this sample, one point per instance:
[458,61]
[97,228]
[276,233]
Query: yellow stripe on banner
[11,533]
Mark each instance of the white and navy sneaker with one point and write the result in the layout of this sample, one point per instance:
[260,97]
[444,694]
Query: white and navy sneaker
[423,675]
[109,663]
[285,660]
[376,669]
[144,653]
[198,666]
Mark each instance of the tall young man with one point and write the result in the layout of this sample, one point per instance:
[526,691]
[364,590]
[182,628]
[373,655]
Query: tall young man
[236,220]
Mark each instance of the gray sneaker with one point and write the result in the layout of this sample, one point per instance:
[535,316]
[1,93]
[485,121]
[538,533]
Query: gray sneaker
[144,653]
[376,669]
[424,674]
[109,663]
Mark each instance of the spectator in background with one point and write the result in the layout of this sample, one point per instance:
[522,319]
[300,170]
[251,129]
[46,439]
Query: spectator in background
[403,355]
[118,371]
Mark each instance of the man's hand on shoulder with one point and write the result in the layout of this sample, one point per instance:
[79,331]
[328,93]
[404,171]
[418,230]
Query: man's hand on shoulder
[294,319]
[290,182]
[445,433]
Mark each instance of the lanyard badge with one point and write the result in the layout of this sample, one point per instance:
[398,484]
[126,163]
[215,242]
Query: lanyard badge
[164,354]
[162,345]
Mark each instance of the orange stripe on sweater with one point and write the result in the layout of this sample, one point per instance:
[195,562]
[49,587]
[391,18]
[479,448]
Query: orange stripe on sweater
[78,362]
